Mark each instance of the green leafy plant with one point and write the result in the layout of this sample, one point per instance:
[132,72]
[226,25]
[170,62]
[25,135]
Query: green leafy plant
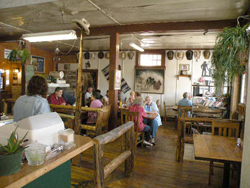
[19,55]
[14,144]
[230,53]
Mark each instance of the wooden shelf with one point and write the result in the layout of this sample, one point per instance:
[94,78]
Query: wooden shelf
[190,76]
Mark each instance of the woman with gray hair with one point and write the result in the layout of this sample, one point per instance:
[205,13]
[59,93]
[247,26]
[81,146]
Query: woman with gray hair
[151,107]
[137,107]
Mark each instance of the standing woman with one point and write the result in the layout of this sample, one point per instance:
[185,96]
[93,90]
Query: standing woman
[34,102]
[151,107]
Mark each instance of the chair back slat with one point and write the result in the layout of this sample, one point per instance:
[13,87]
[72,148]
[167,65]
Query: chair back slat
[225,128]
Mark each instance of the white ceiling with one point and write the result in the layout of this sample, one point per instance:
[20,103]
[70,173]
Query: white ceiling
[18,17]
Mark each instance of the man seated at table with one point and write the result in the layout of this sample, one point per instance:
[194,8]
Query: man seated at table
[151,107]
[185,101]
[56,97]
[137,107]
[88,94]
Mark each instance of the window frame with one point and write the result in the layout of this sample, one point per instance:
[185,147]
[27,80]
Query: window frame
[151,52]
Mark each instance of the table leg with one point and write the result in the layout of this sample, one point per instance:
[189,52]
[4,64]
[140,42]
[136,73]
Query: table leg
[180,143]
[226,175]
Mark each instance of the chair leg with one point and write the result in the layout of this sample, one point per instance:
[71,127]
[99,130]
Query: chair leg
[142,138]
[210,172]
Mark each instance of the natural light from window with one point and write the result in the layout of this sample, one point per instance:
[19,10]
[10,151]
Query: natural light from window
[150,59]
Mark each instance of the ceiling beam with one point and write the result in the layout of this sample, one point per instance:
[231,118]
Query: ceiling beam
[150,27]
[161,27]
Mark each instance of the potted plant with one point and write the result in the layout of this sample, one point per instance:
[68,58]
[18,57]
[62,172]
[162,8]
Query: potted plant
[11,154]
[19,55]
[230,54]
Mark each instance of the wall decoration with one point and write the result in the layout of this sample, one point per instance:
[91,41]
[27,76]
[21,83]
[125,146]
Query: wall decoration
[184,67]
[124,86]
[118,77]
[39,64]
[149,80]
[179,55]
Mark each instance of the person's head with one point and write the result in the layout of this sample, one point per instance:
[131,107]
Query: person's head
[137,94]
[132,94]
[138,101]
[37,86]
[59,91]
[90,89]
[107,93]
[95,95]
[148,100]
[185,95]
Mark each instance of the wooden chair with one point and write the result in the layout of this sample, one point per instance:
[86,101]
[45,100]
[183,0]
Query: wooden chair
[127,116]
[102,121]
[226,128]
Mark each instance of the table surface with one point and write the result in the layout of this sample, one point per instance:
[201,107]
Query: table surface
[219,148]
[29,173]
[151,115]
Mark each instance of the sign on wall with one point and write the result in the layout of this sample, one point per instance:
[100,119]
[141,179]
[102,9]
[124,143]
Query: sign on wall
[39,64]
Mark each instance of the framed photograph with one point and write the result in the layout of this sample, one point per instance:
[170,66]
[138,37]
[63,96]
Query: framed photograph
[184,67]
[118,78]
[39,64]
[149,80]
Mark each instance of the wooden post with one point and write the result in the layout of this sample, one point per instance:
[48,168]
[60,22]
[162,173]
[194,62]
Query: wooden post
[180,143]
[129,145]
[23,90]
[77,127]
[113,65]
[98,165]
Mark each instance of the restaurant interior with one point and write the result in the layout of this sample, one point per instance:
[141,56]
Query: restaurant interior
[164,52]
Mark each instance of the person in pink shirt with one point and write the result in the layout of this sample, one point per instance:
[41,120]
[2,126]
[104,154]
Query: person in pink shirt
[137,107]
[95,103]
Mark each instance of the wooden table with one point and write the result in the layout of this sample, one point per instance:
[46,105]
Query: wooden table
[151,115]
[219,149]
[29,173]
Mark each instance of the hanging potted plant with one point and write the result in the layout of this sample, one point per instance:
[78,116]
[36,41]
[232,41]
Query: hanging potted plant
[19,55]
[230,54]
[11,154]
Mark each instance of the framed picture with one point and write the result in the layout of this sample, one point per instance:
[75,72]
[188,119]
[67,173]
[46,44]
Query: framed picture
[2,83]
[184,67]
[118,78]
[149,80]
[39,64]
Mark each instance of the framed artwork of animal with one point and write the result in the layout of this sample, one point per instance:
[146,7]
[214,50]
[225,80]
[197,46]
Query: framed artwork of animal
[149,80]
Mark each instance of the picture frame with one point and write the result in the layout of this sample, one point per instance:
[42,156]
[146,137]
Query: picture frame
[184,67]
[149,80]
[39,64]
[118,78]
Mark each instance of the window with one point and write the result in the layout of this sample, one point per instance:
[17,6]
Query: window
[150,59]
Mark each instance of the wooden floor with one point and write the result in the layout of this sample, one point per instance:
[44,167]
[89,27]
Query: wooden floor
[154,167]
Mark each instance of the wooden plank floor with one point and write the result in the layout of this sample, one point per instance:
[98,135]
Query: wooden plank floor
[154,166]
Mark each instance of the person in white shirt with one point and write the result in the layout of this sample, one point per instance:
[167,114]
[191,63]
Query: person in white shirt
[88,94]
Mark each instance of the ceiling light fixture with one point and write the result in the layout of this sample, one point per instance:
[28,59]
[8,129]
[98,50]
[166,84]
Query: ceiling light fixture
[50,36]
[136,47]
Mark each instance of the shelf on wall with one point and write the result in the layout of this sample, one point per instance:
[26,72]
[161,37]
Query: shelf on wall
[187,75]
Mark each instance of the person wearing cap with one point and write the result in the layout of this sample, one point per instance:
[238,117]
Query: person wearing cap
[95,103]
[56,97]
[88,94]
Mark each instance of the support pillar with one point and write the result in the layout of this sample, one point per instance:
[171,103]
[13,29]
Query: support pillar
[113,65]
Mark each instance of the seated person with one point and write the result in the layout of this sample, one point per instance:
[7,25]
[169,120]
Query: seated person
[121,96]
[137,94]
[137,107]
[88,95]
[34,102]
[151,107]
[106,98]
[95,103]
[99,91]
[56,97]
[185,101]
[131,99]
[69,99]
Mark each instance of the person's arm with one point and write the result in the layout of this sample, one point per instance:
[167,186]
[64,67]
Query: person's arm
[51,99]
[154,108]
